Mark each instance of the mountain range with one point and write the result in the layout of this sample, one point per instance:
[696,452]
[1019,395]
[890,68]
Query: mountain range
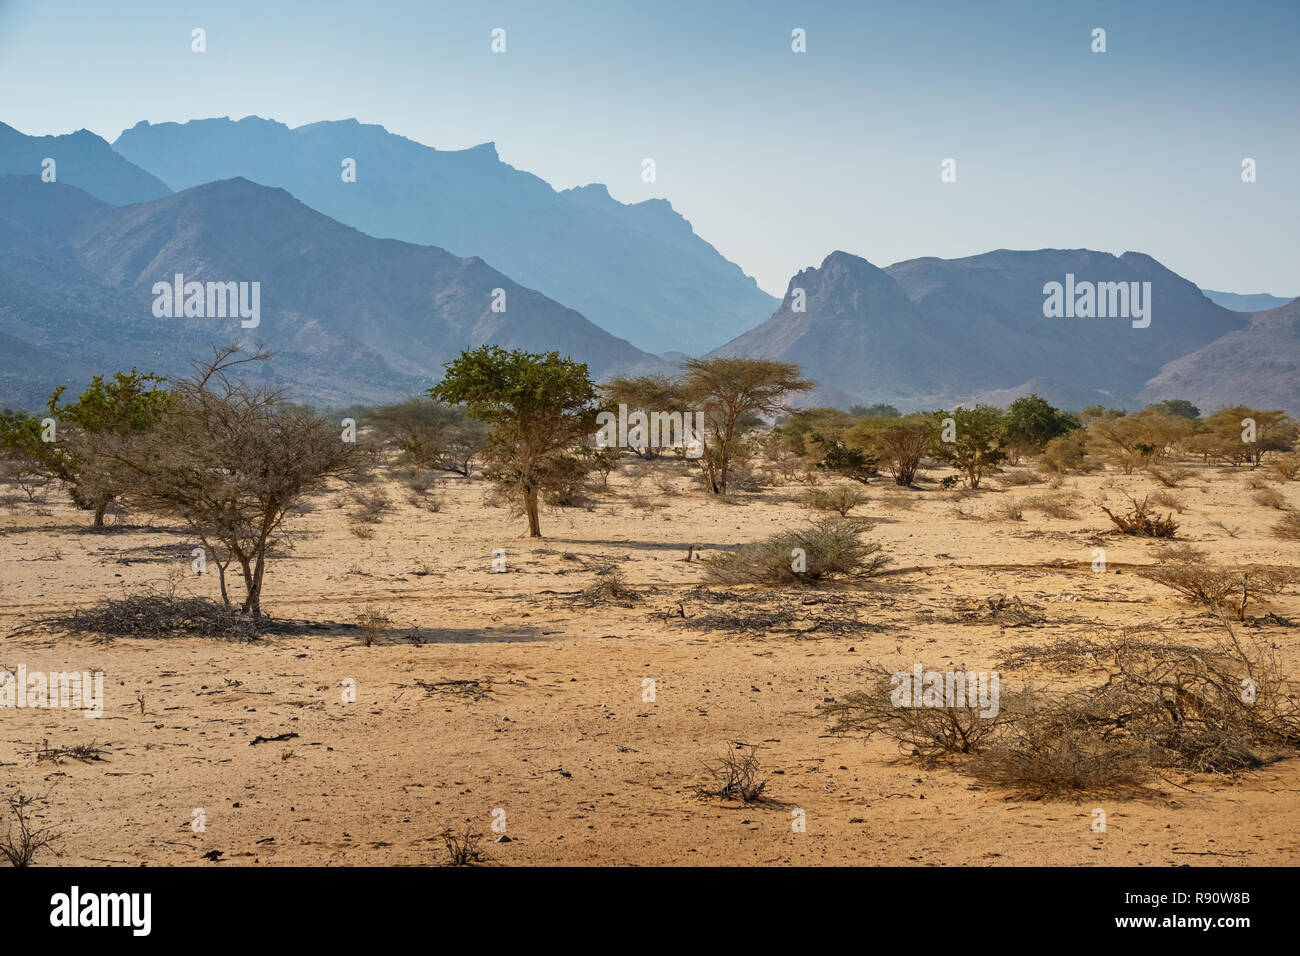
[349,317]
[356,315]
[929,333]
[639,271]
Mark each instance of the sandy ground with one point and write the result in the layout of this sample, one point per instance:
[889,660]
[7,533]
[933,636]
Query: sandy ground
[557,733]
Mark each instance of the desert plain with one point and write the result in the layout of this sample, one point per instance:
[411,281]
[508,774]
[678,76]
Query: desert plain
[504,696]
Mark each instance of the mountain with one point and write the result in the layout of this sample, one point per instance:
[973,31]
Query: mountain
[1257,302]
[930,332]
[81,159]
[1257,366]
[351,318]
[858,336]
[638,270]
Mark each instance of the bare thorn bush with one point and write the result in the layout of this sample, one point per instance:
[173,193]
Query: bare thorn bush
[736,776]
[20,848]
[1142,520]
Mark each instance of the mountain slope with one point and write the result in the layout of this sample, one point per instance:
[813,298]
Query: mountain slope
[859,337]
[351,317]
[1257,366]
[1256,302]
[638,271]
[81,159]
[930,332]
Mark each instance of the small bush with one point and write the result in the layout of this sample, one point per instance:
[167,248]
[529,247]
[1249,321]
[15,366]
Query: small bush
[1066,453]
[1288,527]
[463,847]
[1271,498]
[21,848]
[841,499]
[1225,590]
[1169,477]
[1142,520]
[1165,500]
[828,549]
[372,624]
[928,731]
[736,776]
[1054,506]
[1012,510]
[1286,467]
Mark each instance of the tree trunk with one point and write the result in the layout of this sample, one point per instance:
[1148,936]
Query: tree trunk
[530,508]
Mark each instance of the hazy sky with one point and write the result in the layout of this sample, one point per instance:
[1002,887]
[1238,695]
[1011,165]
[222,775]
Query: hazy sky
[776,157]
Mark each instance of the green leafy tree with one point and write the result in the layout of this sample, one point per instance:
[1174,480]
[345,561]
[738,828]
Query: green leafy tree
[77,447]
[1031,422]
[969,439]
[1177,406]
[538,409]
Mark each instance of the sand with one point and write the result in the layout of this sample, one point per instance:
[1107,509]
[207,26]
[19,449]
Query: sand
[556,739]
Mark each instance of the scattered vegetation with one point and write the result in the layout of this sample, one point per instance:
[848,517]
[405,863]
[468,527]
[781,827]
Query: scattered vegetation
[1142,520]
[824,550]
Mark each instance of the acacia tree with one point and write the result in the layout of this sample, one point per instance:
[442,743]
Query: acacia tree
[539,407]
[231,461]
[1225,435]
[645,393]
[971,443]
[733,393]
[430,434]
[900,444]
[76,448]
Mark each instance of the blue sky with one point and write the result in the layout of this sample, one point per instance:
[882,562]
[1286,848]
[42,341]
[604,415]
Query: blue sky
[777,158]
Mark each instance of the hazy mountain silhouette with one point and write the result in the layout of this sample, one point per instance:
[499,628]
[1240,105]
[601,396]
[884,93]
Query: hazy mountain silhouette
[351,317]
[1256,302]
[1257,366]
[937,331]
[638,271]
[81,159]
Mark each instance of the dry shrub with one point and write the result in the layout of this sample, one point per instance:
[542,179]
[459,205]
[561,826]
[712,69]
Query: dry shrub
[368,509]
[1164,499]
[1155,705]
[21,848]
[372,624]
[1271,498]
[841,499]
[1020,478]
[1054,506]
[928,731]
[1142,520]
[1011,510]
[1170,477]
[1289,527]
[159,612]
[898,500]
[1286,467]
[736,776]
[1148,705]
[1223,590]
[608,588]
[828,549]
[1053,751]
[463,847]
